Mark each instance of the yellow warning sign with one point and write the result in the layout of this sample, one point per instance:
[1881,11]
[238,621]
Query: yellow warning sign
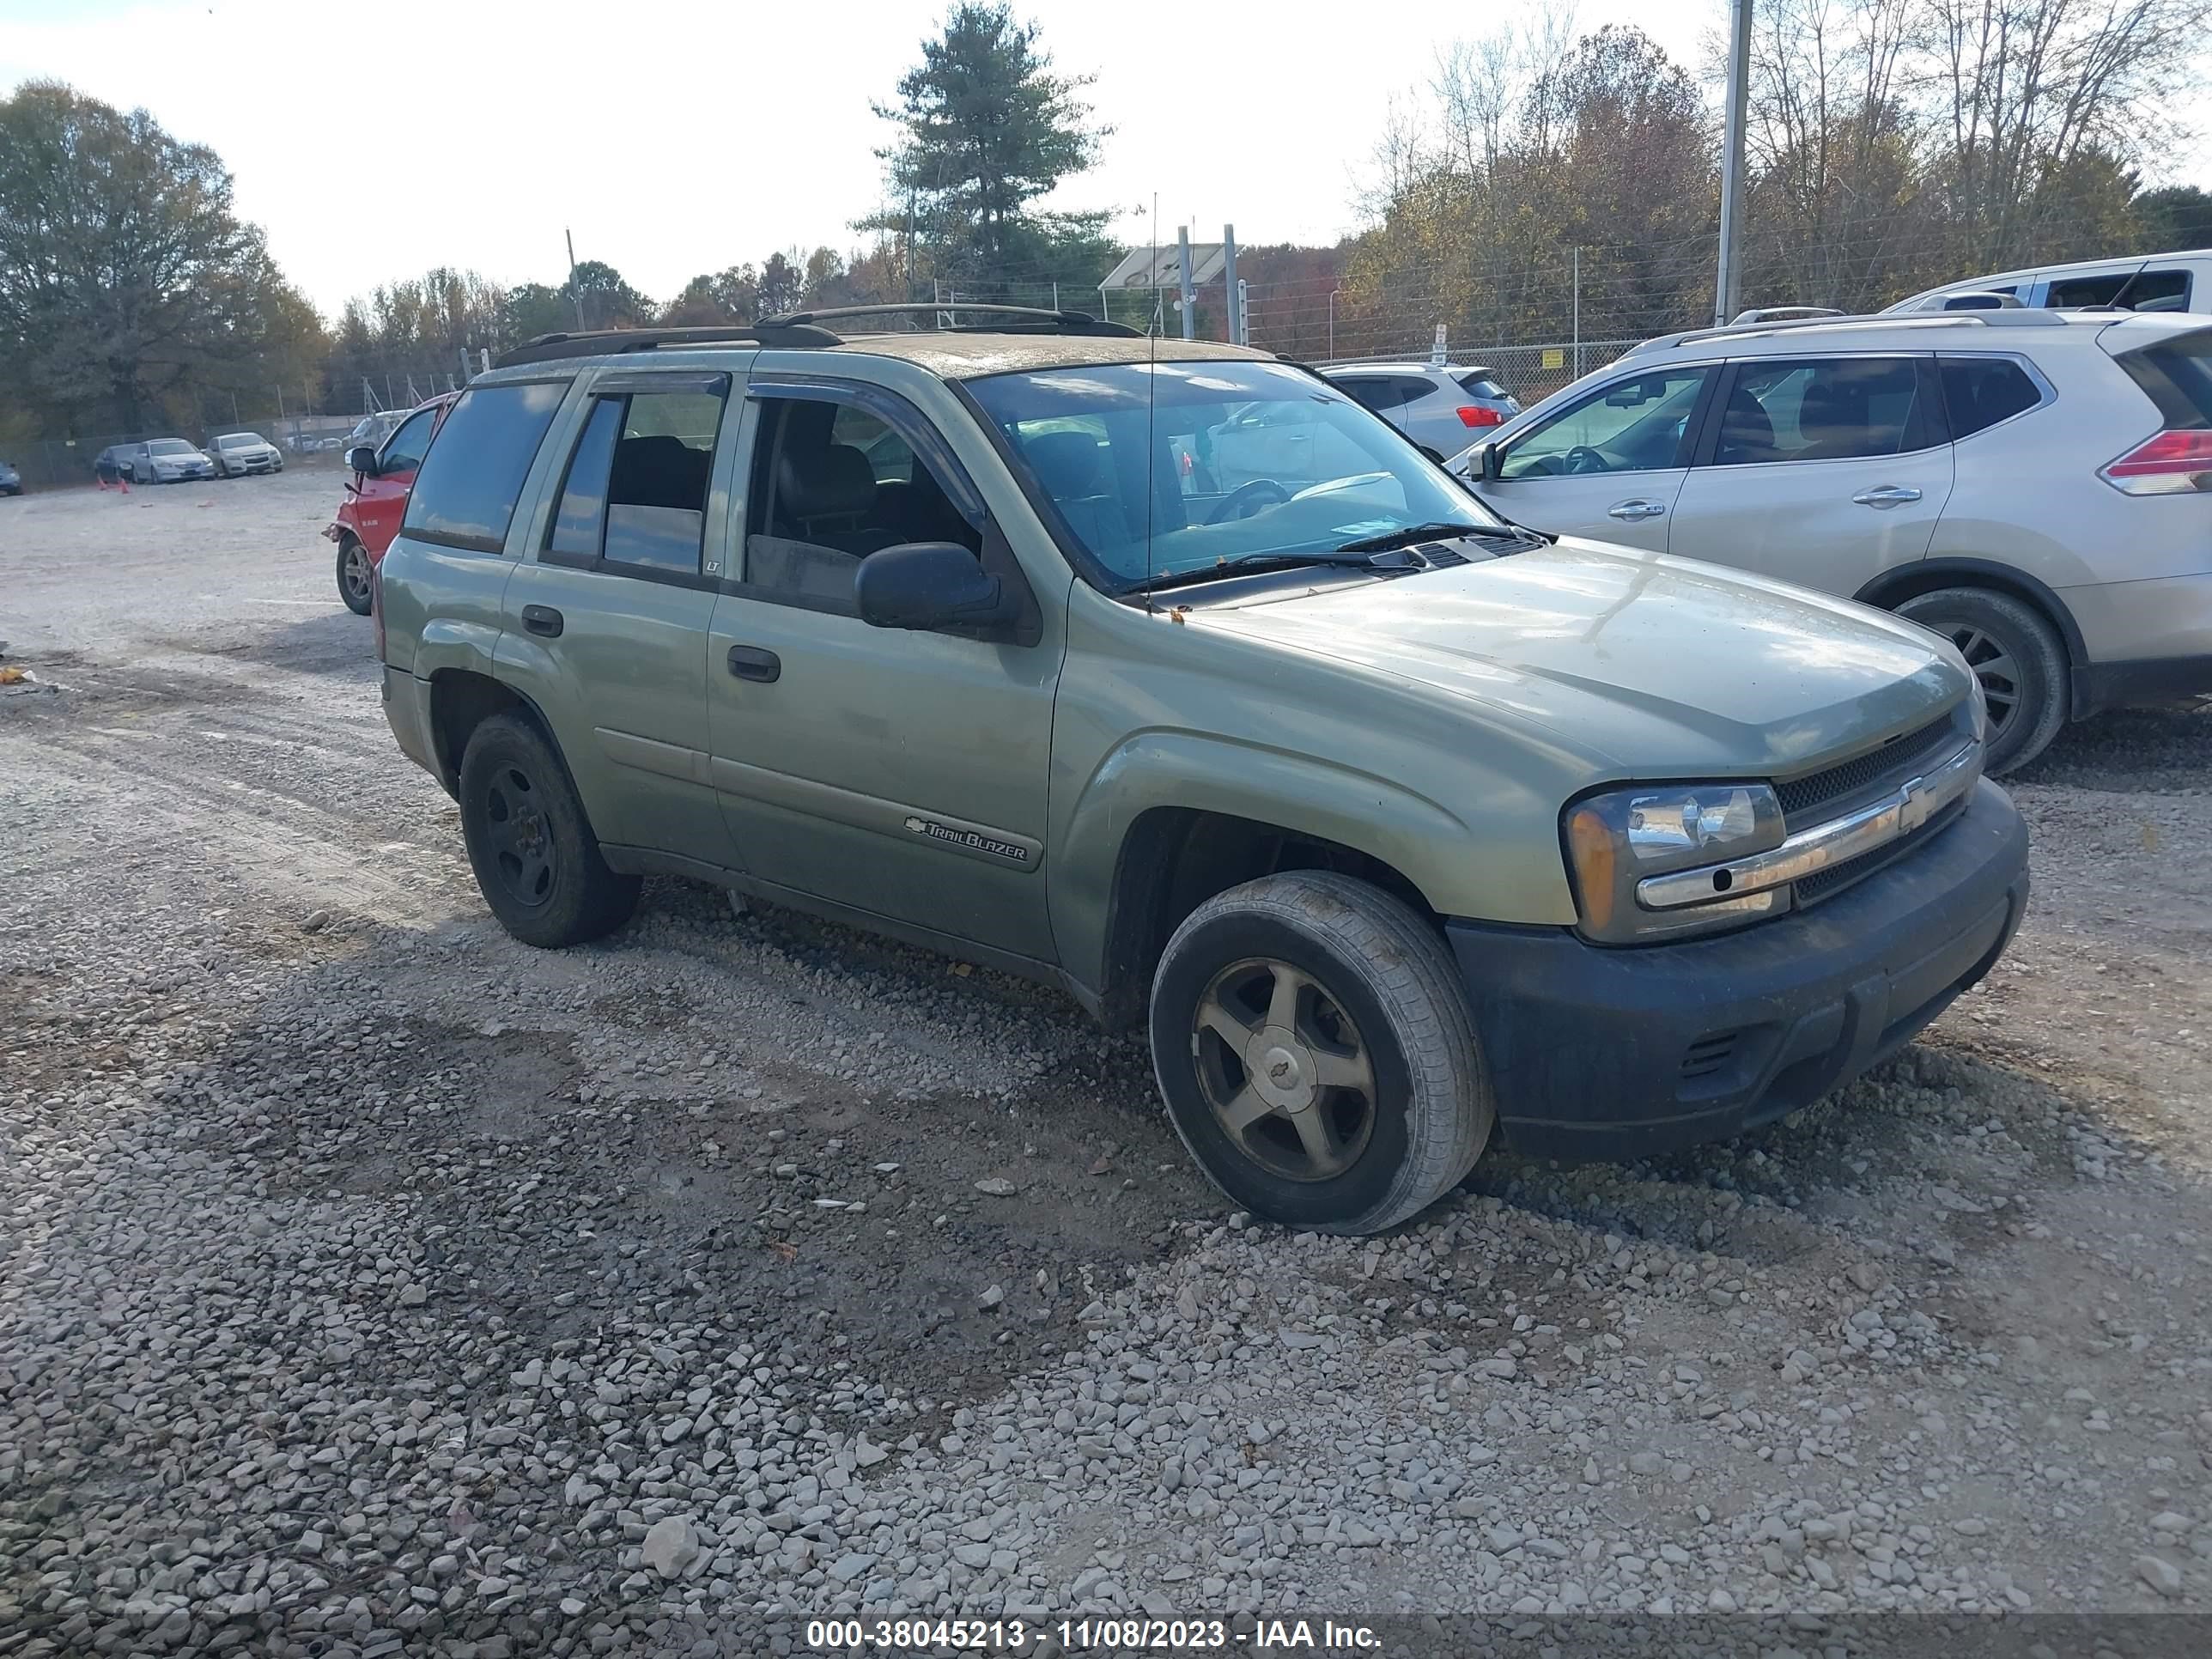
[1555,357]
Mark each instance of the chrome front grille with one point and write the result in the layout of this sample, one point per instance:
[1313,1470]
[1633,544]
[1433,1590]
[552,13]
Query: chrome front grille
[1825,793]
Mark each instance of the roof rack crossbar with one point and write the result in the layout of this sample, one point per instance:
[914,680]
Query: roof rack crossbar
[549,347]
[1026,320]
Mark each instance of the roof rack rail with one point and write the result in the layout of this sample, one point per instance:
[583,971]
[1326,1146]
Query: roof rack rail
[1019,319]
[547,348]
[2007,319]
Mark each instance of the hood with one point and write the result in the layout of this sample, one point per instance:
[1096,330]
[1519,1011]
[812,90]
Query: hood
[1648,665]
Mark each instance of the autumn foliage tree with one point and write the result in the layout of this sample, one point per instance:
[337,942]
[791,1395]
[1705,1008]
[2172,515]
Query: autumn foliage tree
[129,289]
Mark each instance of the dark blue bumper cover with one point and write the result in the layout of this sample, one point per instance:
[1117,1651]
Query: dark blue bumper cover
[1596,1053]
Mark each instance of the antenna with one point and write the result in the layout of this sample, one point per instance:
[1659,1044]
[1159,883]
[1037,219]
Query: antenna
[1152,402]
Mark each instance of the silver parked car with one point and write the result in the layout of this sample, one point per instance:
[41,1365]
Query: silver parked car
[1439,405]
[2036,485]
[237,454]
[160,460]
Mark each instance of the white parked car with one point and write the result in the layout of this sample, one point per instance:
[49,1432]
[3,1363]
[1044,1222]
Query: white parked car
[2153,282]
[2036,485]
[237,454]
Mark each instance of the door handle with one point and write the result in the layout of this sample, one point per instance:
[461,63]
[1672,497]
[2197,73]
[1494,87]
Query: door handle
[750,662]
[543,619]
[1639,509]
[1887,496]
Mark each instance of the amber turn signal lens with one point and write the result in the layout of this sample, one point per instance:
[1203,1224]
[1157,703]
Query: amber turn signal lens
[1591,844]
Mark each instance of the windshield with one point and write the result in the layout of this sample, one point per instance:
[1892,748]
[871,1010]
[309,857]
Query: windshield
[1161,468]
[240,439]
[169,446]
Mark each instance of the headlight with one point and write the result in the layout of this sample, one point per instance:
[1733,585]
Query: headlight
[1615,840]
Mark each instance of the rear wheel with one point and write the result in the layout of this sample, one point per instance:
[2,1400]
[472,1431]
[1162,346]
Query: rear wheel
[535,856]
[353,575]
[1315,1051]
[2016,656]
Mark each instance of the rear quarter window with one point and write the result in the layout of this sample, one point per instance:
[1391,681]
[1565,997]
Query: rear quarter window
[473,477]
[1979,391]
[2176,376]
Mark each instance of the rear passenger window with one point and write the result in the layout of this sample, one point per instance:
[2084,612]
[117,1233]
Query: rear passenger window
[831,483]
[1830,409]
[466,494]
[1370,391]
[2067,293]
[635,493]
[1979,391]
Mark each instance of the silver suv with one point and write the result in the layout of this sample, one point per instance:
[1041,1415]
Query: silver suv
[1438,404]
[2035,486]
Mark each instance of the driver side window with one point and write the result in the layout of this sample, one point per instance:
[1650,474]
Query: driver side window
[403,450]
[1637,425]
[832,481]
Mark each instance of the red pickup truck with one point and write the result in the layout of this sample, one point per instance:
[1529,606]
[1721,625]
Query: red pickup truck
[376,498]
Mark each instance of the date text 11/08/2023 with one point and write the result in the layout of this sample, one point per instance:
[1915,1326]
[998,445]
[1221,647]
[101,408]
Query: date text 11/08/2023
[1288,1638]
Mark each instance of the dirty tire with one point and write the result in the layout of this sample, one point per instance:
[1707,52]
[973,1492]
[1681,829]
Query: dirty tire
[1375,969]
[536,859]
[2017,656]
[353,576]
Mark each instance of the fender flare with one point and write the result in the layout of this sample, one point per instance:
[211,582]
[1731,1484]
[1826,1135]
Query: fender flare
[1380,818]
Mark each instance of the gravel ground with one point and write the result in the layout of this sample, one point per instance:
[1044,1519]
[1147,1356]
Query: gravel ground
[370,1284]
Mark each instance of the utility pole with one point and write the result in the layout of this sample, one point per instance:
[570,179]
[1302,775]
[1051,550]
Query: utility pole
[1332,292]
[1578,313]
[573,288]
[1190,294]
[1229,284]
[1728,287]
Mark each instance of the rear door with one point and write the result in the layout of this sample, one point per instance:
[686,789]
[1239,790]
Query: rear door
[380,502]
[605,624]
[1609,464]
[1822,470]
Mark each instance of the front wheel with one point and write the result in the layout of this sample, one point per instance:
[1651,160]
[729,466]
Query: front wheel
[1315,1053]
[2017,659]
[354,576]
[535,856]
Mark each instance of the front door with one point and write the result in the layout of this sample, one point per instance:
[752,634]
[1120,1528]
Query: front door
[605,623]
[1609,466]
[380,502]
[900,775]
[1825,471]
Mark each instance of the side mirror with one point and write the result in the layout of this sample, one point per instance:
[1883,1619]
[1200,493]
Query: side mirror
[361,458]
[1489,462]
[931,587]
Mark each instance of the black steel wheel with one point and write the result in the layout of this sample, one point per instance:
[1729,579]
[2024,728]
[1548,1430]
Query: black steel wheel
[536,859]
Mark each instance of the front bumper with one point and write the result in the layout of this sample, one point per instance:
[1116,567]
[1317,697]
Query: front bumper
[1623,1053]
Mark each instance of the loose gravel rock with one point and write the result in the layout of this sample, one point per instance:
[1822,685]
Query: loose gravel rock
[380,1286]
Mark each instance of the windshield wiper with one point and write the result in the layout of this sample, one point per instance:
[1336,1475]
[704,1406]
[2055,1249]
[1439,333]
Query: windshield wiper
[1378,559]
[1433,532]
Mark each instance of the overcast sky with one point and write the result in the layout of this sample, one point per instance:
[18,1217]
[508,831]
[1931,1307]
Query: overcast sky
[674,137]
